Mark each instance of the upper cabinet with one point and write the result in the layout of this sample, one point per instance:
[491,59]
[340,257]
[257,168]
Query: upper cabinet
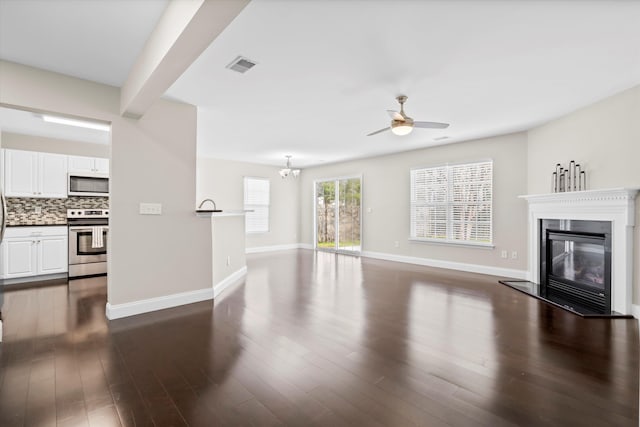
[33,174]
[80,164]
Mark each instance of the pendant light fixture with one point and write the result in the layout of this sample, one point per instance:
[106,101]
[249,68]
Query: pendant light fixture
[285,172]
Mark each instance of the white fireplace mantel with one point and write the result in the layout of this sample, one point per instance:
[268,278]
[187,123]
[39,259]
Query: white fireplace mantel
[616,205]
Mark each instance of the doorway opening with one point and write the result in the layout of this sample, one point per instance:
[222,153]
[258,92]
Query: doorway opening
[338,215]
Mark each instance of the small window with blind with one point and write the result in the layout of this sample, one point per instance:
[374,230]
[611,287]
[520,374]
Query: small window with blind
[453,203]
[256,200]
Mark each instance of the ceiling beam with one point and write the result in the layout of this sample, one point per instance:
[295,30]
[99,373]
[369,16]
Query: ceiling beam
[185,30]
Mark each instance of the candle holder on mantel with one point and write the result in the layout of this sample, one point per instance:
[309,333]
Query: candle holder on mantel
[568,179]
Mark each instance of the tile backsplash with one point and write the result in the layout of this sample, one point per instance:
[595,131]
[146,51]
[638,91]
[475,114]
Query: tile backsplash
[22,210]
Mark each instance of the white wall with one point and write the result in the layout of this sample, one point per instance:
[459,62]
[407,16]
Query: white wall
[152,160]
[605,139]
[19,141]
[385,190]
[227,247]
[223,181]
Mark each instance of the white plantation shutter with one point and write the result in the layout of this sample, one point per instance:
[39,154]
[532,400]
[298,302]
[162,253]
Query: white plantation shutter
[452,203]
[429,203]
[256,199]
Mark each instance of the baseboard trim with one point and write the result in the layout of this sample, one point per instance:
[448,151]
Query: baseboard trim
[117,311]
[28,279]
[228,281]
[261,249]
[451,265]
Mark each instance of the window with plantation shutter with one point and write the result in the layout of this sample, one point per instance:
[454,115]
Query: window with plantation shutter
[256,199]
[452,203]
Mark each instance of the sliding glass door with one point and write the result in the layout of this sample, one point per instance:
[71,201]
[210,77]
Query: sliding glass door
[338,214]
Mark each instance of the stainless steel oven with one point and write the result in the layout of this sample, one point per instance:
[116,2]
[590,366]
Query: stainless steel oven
[88,235]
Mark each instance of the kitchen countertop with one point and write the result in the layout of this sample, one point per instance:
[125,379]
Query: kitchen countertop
[57,224]
[206,213]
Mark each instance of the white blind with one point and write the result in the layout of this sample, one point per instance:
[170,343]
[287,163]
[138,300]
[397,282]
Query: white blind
[256,199]
[452,203]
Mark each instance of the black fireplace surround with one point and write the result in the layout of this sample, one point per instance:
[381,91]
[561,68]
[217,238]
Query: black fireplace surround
[575,264]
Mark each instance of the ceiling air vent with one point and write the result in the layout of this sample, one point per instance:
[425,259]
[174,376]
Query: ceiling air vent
[241,65]
[441,138]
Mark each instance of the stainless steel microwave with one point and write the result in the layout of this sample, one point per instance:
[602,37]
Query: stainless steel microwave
[95,184]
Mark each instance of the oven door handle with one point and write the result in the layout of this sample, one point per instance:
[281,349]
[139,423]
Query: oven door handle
[87,229]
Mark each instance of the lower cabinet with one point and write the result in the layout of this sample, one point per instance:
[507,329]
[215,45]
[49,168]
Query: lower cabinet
[33,251]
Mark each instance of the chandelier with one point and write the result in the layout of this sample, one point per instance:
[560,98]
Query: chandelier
[285,172]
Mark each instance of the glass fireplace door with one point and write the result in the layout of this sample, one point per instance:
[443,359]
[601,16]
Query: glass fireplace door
[579,259]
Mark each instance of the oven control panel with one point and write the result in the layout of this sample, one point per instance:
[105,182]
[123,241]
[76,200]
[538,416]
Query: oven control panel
[87,213]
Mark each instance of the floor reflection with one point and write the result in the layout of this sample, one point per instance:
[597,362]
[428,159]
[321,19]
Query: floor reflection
[317,339]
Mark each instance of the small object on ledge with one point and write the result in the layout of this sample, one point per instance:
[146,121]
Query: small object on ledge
[570,179]
[215,208]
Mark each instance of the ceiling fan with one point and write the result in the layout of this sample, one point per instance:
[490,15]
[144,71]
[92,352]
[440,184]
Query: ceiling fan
[401,124]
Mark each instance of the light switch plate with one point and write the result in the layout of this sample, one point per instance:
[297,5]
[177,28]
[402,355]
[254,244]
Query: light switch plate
[150,208]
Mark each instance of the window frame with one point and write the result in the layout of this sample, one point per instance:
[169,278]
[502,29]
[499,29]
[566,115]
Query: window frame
[251,208]
[448,204]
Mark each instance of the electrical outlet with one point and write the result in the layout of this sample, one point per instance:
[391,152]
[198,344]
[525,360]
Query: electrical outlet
[503,254]
[396,244]
[514,255]
[150,208]
[37,210]
[369,210]
[228,261]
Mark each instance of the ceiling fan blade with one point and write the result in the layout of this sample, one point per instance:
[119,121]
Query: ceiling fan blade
[378,131]
[431,125]
[395,115]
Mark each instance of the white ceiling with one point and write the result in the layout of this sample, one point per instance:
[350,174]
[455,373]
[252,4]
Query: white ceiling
[96,40]
[328,70]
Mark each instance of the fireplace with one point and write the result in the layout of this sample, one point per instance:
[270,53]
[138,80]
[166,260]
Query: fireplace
[575,264]
[570,211]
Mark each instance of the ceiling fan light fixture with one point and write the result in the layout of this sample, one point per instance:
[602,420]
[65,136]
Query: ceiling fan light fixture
[401,124]
[402,129]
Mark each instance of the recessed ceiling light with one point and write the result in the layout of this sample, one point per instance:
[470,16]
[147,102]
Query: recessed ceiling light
[241,64]
[77,123]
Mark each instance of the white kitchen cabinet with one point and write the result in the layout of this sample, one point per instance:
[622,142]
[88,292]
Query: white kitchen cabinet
[20,173]
[81,164]
[52,254]
[19,258]
[52,177]
[33,251]
[33,174]
[102,165]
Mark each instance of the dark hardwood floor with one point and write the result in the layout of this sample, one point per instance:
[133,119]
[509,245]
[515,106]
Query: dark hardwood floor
[317,339]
